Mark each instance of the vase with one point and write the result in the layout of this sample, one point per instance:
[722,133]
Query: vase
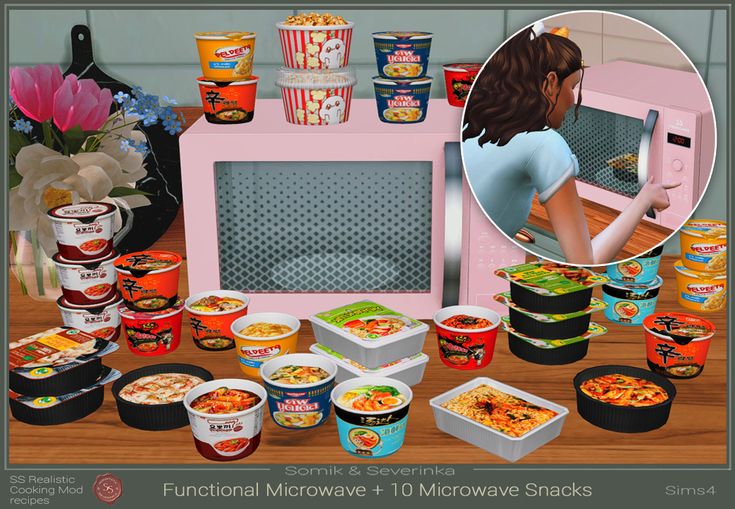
[33,269]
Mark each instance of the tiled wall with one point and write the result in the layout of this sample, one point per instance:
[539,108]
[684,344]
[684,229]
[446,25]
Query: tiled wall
[156,50]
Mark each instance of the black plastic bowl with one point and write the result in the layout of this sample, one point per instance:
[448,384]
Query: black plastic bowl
[619,418]
[155,417]
[532,301]
[549,330]
[547,356]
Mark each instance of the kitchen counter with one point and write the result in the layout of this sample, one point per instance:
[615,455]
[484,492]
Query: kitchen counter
[695,433]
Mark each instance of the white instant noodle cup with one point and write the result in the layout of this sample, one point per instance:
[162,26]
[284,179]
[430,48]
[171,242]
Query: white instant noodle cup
[87,283]
[226,437]
[83,231]
[101,321]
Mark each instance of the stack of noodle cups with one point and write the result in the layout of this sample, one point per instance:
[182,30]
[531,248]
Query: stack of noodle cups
[316,83]
[227,85]
[701,274]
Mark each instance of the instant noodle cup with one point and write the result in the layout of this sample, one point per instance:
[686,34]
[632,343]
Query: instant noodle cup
[83,231]
[371,433]
[677,343]
[101,321]
[466,348]
[642,269]
[228,102]
[704,292]
[311,98]
[630,303]
[226,56]
[256,347]
[299,405]
[402,55]
[212,330]
[149,280]
[704,245]
[87,283]
[458,79]
[153,332]
[226,436]
[402,101]
[315,47]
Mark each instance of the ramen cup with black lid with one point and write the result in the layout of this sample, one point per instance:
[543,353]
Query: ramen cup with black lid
[228,102]
[630,303]
[402,55]
[87,283]
[83,231]
[102,320]
[149,280]
[402,101]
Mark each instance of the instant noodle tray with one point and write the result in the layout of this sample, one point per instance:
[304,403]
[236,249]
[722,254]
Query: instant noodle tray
[486,438]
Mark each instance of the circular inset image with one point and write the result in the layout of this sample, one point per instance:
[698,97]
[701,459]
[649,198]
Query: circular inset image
[583,144]
[364,438]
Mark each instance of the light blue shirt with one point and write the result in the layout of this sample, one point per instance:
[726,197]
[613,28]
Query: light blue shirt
[505,179]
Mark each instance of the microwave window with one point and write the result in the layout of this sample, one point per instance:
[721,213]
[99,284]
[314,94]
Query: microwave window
[324,227]
[606,145]
[678,139]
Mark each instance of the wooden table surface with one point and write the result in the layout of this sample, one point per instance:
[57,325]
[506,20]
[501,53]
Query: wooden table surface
[695,433]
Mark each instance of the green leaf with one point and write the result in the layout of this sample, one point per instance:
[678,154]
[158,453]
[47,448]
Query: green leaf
[14,178]
[126,191]
[74,139]
[16,141]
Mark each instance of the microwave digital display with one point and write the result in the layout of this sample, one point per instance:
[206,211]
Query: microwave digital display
[677,139]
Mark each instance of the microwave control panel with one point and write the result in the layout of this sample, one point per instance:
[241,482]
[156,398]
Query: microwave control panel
[681,161]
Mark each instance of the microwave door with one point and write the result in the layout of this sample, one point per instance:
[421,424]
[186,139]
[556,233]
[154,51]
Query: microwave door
[644,151]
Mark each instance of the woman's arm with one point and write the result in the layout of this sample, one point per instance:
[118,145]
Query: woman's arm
[566,214]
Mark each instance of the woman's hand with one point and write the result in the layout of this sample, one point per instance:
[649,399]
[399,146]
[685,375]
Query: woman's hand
[656,194]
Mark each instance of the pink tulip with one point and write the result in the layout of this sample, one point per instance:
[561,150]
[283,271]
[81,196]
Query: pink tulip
[81,103]
[33,89]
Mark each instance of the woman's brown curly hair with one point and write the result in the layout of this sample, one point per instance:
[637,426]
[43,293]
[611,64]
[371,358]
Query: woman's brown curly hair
[507,97]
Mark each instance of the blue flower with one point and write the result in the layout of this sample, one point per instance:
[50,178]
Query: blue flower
[169,100]
[23,126]
[141,147]
[173,127]
[124,145]
[166,114]
[121,97]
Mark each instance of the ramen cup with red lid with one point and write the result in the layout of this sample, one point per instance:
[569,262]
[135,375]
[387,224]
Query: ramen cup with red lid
[153,332]
[677,343]
[83,231]
[87,283]
[230,102]
[149,280]
[101,320]
[211,328]
[458,79]
[466,348]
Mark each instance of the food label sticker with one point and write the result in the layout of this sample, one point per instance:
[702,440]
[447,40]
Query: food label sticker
[368,320]
[372,441]
[551,279]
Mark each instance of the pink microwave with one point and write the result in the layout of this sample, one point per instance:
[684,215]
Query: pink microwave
[304,219]
[661,117]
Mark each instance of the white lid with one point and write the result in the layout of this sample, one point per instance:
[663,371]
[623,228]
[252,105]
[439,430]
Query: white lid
[388,369]
[303,78]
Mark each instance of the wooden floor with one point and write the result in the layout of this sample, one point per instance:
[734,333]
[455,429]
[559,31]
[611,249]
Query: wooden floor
[695,433]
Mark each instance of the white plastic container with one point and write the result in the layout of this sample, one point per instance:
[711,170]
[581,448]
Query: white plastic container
[369,352]
[486,438]
[409,370]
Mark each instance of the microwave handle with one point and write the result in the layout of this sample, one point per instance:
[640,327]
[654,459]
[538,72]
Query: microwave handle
[644,150]
[452,223]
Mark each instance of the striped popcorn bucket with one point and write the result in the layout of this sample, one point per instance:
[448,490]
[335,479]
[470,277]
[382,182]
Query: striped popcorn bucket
[317,106]
[315,47]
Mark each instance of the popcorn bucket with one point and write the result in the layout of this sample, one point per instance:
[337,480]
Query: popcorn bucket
[316,98]
[315,47]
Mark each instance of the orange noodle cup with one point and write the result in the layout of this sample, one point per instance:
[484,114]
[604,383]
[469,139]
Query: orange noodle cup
[226,56]
[228,102]
[212,330]
[149,280]
[252,351]
[153,332]
[704,292]
[226,436]
[677,343]
[704,245]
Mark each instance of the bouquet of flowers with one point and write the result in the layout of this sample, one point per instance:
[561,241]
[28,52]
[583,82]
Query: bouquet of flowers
[66,147]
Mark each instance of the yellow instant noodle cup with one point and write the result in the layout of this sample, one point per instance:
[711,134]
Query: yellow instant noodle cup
[704,245]
[226,56]
[700,291]
[254,348]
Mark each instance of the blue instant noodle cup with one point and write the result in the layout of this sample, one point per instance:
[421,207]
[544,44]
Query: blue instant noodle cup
[630,303]
[642,269]
[372,413]
[402,101]
[298,406]
[402,55]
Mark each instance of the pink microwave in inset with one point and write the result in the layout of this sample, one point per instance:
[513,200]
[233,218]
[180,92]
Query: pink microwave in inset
[304,218]
[639,120]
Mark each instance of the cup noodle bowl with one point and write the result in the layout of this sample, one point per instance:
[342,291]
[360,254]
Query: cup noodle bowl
[148,289]
[102,321]
[87,283]
[208,326]
[83,231]
[228,103]
[458,79]
[700,291]
[209,430]
[226,56]
[466,348]
[152,333]
[316,98]
[679,356]
[704,245]
[315,47]
[252,352]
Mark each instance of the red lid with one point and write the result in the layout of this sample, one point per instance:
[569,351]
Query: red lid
[113,301]
[86,263]
[148,261]
[679,325]
[467,67]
